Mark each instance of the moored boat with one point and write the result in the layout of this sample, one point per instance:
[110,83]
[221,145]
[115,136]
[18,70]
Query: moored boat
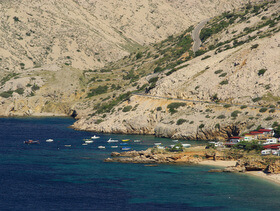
[95,137]
[123,143]
[101,147]
[89,141]
[125,140]
[31,142]
[186,145]
[137,141]
[112,140]
[49,140]
[157,144]
[114,146]
[126,148]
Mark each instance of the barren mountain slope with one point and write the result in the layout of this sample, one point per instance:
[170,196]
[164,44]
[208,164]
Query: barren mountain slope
[226,91]
[89,33]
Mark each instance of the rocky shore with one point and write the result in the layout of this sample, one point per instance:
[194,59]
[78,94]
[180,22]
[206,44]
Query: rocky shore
[199,155]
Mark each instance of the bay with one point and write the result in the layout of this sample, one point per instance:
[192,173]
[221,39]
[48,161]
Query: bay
[52,176]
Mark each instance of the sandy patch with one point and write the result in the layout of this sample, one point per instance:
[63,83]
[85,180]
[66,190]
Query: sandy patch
[271,177]
[222,163]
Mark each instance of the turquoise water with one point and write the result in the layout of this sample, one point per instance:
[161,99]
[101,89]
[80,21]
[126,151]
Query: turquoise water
[50,176]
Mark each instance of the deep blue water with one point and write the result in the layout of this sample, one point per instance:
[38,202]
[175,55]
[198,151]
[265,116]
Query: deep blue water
[50,176]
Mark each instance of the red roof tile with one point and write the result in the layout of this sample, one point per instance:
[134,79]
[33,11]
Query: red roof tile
[264,130]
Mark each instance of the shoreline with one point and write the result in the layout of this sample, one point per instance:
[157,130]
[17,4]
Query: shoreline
[273,178]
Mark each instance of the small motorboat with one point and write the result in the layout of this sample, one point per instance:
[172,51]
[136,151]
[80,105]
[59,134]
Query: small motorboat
[112,140]
[114,146]
[88,141]
[137,141]
[95,137]
[125,140]
[67,145]
[174,141]
[160,147]
[157,144]
[84,144]
[49,140]
[31,142]
[123,143]
[101,147]
[186,145]
[126,148]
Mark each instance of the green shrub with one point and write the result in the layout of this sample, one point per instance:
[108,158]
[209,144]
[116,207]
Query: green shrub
[16,19]
[35,87]
[223,75]
[153,80]
[244,106]
[249,146]
[214,98]
[217,126]
[271,110]
[235,113]
[20,91]
[139,55]
[97,91]
[254,46]
[224,82]
[221,117]
[218,71]
[262,71]
[98,121]
[227,106]
[268,118]
[181,121]
[159,108]
[191,122]
[201,126]
[127,108]
[262,110]
[256,99]
[205,57]
[173,106]
[157,69]
[6,94]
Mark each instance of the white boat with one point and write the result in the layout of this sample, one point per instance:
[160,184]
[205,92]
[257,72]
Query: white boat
[186,145]
[172,145]
[95,137]
[67,145]
[88,141]
[101,147]
[49,140]
[175,141]
[137,141]
[112,141]
[160,147]
[114,146]
[84,144]
[157,144]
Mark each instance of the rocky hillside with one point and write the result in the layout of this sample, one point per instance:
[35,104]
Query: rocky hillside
[228,88]
[88,33]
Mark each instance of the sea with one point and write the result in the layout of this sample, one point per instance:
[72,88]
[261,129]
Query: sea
[67,175]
